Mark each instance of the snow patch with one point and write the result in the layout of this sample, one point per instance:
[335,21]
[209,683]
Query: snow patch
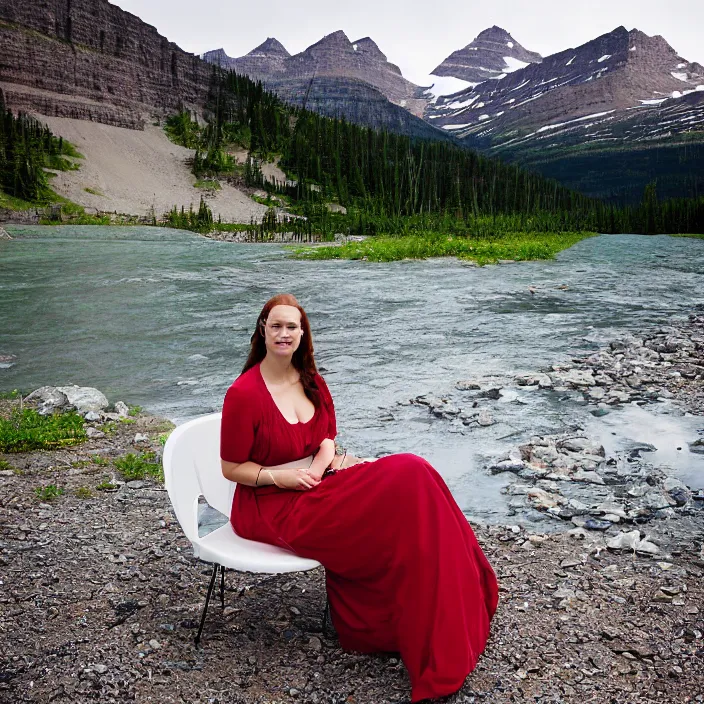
[509,45]
[681,65]
[462,103]
[604,58]
[569,122]
[483,117]
[447,85]
[679,76]
[569,63]
[513,64]
[354,46]
[632,48]
[525,83]
[456,127]
[654,101]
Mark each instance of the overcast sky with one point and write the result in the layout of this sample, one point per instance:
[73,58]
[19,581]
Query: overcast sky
[413,34]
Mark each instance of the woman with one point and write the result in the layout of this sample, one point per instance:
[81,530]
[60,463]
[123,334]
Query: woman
[404,571]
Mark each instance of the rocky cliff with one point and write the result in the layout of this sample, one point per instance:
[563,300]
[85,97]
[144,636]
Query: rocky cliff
[91,60]
[491,55]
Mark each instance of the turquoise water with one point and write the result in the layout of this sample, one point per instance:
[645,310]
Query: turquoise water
[162,319]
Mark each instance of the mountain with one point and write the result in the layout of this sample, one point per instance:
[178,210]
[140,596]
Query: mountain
[623,90]
[91,60]
[491,55]
[334,56]
[266,59]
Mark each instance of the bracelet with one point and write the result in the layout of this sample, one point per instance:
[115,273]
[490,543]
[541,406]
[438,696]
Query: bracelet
[256,481]
[273,481]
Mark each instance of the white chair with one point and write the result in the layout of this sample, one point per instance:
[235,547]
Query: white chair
[191,470]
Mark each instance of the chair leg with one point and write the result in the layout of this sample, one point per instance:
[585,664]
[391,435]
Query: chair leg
[328,626]
[207,600]
[222,586]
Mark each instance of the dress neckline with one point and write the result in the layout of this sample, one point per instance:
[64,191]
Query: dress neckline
[271,398]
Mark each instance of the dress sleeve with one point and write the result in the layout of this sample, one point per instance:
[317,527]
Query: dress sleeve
[329,406]
[237,427]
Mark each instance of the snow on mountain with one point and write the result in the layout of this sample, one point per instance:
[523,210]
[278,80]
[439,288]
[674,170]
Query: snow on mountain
[492,54]
[598,83]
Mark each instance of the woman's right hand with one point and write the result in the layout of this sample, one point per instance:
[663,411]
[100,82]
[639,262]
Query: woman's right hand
[295,479]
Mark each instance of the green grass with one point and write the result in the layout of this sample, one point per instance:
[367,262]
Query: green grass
[83,492]
[269,201]
[140,466]
[163,438]
[5,465]
[48,493]
[9,202]
[208,184]
[25,430]
[11,395]
[106,485]
[518,247]
[134,411]
[93,191]
[699,237]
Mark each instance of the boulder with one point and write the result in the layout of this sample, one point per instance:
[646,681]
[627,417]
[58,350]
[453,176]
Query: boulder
[85,398]
[575,377]
[48,399]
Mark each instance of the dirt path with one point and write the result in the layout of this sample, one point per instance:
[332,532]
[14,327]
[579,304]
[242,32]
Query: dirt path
[132,171]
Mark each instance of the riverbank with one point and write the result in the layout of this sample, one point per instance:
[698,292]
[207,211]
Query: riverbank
[112,611]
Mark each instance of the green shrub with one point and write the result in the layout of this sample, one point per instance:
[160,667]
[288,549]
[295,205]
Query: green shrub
[83,492]
[106,485]
[140,466]
[25,430]
[48,493]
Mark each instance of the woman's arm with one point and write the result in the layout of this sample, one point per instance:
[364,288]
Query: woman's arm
[322,459]
[292,475]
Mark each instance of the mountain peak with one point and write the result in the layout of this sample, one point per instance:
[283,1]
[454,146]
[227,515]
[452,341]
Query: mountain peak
[368,46]
[270,46]
[492,54]
[333,40]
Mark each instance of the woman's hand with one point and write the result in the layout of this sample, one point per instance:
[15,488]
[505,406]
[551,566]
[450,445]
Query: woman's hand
[296,479]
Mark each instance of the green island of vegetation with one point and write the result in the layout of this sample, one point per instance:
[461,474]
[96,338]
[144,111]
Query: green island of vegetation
[409,198]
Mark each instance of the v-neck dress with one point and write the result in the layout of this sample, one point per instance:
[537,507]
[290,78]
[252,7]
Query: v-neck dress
[404,571]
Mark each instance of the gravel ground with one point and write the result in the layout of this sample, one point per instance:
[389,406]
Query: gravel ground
[133,171]
[101,598]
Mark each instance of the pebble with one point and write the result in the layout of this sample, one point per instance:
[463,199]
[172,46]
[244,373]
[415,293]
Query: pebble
[596,524]
[140,437]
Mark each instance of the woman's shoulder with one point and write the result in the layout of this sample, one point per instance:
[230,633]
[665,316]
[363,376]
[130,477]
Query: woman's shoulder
[246,384]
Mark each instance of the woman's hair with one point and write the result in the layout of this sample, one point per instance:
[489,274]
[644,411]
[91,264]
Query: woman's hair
[303,359]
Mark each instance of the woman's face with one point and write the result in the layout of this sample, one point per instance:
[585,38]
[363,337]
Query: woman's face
[282,331]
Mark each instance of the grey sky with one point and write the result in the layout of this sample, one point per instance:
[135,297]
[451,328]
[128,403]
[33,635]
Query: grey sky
[417,35]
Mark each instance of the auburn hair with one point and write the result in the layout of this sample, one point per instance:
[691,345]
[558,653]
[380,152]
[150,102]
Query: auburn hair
[303,359]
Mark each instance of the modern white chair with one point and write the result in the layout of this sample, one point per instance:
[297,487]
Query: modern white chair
[191,470]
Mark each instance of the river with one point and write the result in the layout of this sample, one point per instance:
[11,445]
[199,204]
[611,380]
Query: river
[162,319]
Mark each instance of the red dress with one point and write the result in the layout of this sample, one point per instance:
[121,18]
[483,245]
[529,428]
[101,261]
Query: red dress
[404,571]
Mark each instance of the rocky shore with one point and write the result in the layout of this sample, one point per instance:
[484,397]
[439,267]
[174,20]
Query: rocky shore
[101,594]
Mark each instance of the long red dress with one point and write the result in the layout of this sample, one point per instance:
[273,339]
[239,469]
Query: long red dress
[404,571]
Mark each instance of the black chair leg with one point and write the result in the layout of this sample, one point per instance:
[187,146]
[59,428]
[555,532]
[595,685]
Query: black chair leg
[207,601]
[222,586]
[328,626]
